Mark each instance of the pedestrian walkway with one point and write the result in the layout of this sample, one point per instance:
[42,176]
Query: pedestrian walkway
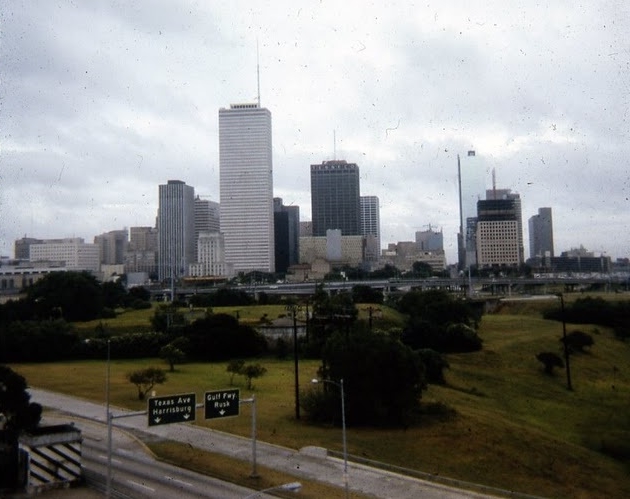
[311,463]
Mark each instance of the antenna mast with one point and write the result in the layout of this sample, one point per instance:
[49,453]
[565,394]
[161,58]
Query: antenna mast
[334,144]
[258,71]
[494,183]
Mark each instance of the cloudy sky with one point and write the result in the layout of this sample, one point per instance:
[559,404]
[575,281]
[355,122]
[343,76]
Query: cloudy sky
[102,101]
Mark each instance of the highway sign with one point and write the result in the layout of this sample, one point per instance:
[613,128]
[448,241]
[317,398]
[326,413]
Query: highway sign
[222,403]
[171,409]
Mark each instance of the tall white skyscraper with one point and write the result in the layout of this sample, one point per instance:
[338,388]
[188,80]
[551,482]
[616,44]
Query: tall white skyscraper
[246,184]
[176,229]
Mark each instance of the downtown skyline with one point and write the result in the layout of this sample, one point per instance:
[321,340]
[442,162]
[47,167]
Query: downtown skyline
[100,105]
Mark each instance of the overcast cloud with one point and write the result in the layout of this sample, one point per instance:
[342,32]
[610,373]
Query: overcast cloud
[102,101]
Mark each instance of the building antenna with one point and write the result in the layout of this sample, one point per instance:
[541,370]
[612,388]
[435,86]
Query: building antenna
[334,144]
[258,71]
[494,183]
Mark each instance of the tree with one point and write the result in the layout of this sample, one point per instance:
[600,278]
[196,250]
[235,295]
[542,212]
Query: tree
[172,355]
[577,341]
[434,364]
[146,379]
[383,380]
[167,317]
[73,296]
[550,360]
[421,270]
[251,371]
[16,411]
[235,367]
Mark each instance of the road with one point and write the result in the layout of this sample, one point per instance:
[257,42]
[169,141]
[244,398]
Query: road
[308,463]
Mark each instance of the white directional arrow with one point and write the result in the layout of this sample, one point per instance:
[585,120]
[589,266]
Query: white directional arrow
[157,420]
[222,412]
[186,416]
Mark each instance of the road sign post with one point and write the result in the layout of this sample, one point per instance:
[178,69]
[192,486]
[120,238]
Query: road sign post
[222,403]
[171,409]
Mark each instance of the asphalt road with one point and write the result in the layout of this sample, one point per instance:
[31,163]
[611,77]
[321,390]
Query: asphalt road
[310,462]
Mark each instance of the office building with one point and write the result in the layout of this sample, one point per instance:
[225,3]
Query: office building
[176,230]
[471,183]
[207,217]
[22,247]
[335,198]
[497,234]
[210,256]
[430,240]
[541,234]
[142,251]
[246,185]
[287,235]
[371,224]
[515,196]
[113,246]
[74,252]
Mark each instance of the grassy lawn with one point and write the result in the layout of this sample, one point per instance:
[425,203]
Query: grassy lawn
[514,427]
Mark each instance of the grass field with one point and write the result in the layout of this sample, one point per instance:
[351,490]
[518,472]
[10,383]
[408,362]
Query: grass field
[514,427]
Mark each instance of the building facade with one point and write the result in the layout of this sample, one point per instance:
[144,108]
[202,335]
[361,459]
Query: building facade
[142,251]
[76,254]
[541,234]
[176,230]
[515,196]
[335,198]
[371,224]
[287,235]
[246,185]
[210,256]
[497,234]
[113,245]
[207,217]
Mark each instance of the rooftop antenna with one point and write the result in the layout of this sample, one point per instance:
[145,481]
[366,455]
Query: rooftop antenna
[494,183]
[334,144]
[258,71]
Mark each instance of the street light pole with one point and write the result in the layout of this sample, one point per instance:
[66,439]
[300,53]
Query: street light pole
[343,430]
[566,344]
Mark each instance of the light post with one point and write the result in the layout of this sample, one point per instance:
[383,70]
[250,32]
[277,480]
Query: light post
[294,309]
[291,486]
[343,428]
[566,343]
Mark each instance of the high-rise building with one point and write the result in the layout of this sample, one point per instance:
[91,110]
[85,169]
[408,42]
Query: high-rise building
[471,180]
[207,218]
[113,245]
[142,252]
[335,198]
[497,233]
[210,256]
[430,240]
[515,196]
[246,184]
[176,229]
[541,234]
[22,247]
[371,223]
[287,234]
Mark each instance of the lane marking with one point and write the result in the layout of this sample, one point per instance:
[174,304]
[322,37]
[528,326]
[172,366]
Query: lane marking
[177,480]
[132,482]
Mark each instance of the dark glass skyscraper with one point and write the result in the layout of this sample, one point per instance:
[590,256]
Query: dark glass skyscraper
[541,234]
[335,198]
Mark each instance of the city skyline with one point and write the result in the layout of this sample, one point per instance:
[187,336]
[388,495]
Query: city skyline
[100,104]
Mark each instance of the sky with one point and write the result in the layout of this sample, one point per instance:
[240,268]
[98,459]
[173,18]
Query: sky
[102,101]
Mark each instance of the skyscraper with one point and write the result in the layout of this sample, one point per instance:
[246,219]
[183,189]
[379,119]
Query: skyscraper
[207,218]
[371,226]
[515,196]
[335,198]
[287,234]
[541,234]
[176,229]
[497,233]
[471,180]
[246,184]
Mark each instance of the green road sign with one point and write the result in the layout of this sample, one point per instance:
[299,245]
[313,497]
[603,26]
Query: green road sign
[222,403]
[171,409]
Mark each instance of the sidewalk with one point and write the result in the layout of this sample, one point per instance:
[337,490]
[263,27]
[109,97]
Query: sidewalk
[310,462]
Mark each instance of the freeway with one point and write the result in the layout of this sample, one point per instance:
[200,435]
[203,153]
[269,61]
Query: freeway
[311,463]
[135,472]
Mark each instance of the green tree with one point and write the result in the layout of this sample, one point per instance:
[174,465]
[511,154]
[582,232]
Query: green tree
[235,367]
[421,270]
[146,379]
[73,296]
[577,341]
[550,360]
[383,379]
[167,317]
[172,355]
[251,371]
[17,412]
